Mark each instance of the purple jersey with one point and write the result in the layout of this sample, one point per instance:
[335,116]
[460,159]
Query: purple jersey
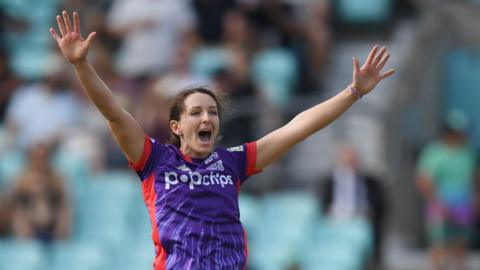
[193,205]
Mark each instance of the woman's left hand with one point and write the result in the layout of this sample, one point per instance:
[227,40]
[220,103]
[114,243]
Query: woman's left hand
[369,75]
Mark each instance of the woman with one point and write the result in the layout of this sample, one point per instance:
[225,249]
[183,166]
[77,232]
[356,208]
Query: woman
[190,187]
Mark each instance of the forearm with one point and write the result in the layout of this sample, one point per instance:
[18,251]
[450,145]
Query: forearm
[277,143]
[97,91]
[425,186]
[125,129]
[312,120]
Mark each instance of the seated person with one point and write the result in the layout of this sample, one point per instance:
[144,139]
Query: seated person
[40,205]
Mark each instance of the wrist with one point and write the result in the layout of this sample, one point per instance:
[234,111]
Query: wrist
[79,62]
[354,91]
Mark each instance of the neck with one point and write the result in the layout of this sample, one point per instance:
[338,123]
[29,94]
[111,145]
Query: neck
[187,151]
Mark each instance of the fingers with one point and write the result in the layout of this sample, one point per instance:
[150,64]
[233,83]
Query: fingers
[388,73]
[378,57]
[371,55]
[382,62]
[90,38]
[61,26]
[76,23]
[68,23]
[54,34]
[356,65]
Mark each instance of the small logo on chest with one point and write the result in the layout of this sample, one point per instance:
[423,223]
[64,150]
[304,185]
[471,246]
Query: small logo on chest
[184,168]
[213,156]
[217,166]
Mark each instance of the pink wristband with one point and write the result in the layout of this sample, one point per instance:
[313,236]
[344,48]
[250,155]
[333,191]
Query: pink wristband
[354,92]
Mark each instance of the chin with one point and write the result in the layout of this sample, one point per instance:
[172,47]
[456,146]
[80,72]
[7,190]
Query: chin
[205,150]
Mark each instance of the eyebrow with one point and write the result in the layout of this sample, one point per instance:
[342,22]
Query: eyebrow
[200,107]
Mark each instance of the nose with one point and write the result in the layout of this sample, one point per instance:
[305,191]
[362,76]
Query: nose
[205,117]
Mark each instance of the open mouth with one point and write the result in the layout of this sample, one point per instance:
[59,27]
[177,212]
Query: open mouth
[204,135]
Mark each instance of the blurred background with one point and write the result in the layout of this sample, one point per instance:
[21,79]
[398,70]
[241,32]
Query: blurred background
[350,197]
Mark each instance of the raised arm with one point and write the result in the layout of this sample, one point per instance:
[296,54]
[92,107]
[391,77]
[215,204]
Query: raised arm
[125,129]
[275,144]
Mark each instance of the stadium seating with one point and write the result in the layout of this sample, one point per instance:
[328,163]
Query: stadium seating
[22,255]
[460,75]
[112,231]
[365,11]
[80,256]
[206,61]
[104,209]
[11,163]
[30,48]
[275,71]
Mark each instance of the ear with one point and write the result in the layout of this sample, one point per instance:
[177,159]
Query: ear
[175,127]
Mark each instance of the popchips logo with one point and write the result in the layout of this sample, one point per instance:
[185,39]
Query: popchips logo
[196,179]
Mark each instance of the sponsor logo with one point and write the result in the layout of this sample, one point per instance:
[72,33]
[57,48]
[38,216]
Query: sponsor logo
[213,156]
[217,166]
[196,179]
[236,148]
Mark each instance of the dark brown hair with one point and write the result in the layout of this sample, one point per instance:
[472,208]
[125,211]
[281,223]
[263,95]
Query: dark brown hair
[178,106]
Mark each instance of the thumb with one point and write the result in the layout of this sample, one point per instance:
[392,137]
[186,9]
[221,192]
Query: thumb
[356,65]
[90,38]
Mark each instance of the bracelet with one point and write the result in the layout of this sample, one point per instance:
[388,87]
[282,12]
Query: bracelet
[354,92]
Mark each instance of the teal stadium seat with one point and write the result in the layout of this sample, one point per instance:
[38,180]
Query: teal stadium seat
[80,256]
[331,256]
[139,219]
[206,61]
[29,49]
[290,215]
[365,11]
[12,162]
[105,208]
[249,213]
[135,257]
[74,169]
[276,72]
[340,245]
[284,225]
[22,255]
[461,69]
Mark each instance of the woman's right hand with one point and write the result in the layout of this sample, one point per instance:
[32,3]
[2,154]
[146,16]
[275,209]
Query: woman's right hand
[73,46]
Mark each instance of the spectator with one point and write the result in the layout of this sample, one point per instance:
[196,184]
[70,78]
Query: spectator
[42,111]
[179,76]
[150,31]
[40,204]
[211,14]
[237,33]
[300,27]
[4,215]
[8,83]
[316,44]
[445,175]
[349,192]
[235,82]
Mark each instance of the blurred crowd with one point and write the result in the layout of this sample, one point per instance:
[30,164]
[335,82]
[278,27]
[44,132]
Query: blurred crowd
[257,53]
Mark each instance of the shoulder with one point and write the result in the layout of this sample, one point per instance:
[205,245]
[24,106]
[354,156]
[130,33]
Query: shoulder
[433,149]
[162,151]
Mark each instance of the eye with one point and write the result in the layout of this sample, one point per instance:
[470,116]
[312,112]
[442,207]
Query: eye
[215,113]
[195,113]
